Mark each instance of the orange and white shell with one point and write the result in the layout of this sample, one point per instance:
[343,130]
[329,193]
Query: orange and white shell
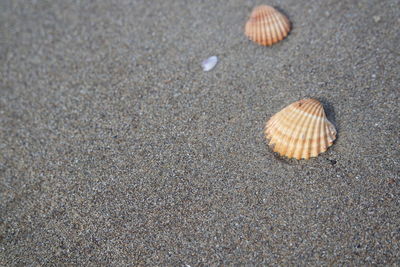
[301,130]
[267,25]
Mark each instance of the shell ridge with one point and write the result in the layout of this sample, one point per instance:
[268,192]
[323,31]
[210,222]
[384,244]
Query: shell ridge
[315,149]
[272,122]
[321,141]
[274,29]
[271,132]
[292,119]
[310,134]
[285,24]
[288,128]
[301,135]
[308,113]
[267,27]
[263,34]
[260,31]
[296,131]
[265,37]
[330,131]
[279,31]
[269,129]
[279,25]
[292,146]
[272,128]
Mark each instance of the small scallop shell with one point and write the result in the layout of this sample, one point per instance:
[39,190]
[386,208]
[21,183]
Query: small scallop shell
[301,130]
[267,25]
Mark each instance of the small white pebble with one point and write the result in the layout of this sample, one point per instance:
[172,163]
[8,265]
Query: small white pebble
[376,18]
[209,63]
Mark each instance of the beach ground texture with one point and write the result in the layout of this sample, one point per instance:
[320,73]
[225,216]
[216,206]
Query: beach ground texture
[118,149]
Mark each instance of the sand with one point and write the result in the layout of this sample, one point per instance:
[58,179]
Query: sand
[118,149]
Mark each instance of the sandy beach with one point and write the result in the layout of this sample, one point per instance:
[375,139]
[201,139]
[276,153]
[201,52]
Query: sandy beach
[117,149]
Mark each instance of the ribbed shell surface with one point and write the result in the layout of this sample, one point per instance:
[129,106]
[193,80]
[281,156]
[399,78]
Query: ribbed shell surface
[301,130]
[267,25]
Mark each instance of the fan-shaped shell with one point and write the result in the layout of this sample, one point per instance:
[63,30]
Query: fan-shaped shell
[301,130]
[267,25]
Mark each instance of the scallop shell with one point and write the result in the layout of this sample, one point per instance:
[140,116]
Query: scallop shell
[267,25]
[301,130]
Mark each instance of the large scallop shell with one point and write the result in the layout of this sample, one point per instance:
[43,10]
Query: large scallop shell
[301,130]
[267,25]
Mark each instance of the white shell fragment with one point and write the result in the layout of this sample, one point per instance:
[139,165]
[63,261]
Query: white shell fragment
[209,63]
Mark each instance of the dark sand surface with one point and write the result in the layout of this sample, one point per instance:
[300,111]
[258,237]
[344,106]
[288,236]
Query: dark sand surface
[117,149]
